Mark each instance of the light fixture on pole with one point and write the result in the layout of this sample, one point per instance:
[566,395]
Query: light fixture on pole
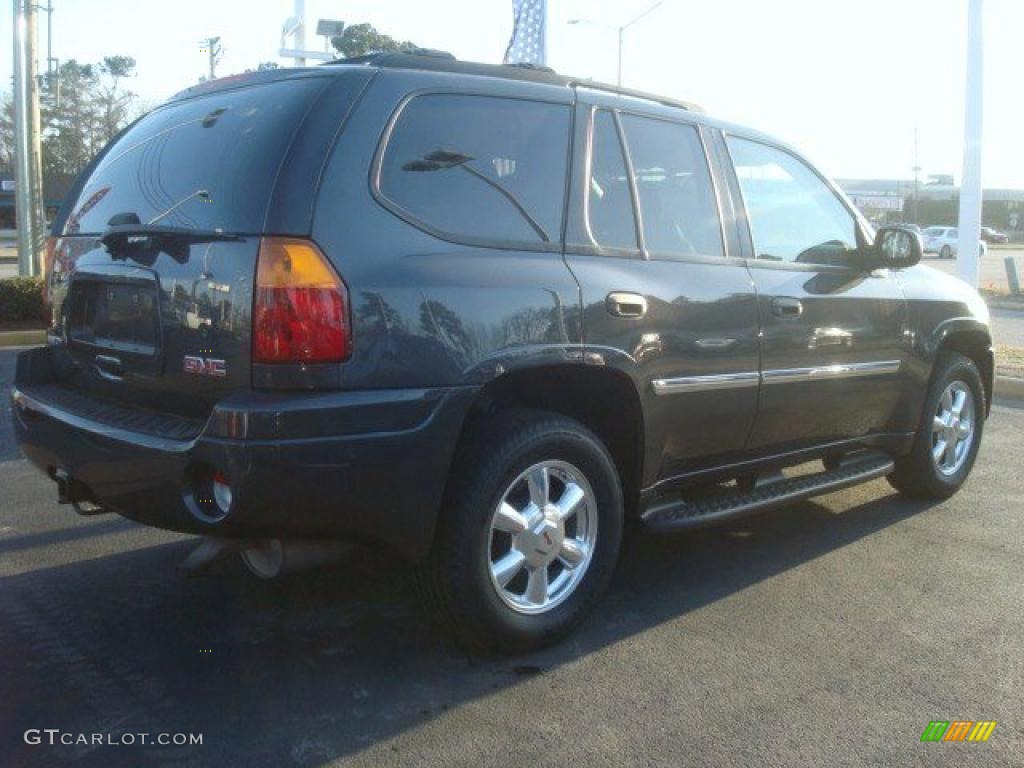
[328,28]
[621,30]
[295,27]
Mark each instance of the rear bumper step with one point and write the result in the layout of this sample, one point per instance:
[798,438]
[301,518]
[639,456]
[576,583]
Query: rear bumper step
[680,514]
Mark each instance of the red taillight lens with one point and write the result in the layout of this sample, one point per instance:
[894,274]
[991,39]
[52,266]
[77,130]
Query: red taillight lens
[301,308]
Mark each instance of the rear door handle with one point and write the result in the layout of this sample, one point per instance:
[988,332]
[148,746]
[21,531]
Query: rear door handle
[109,367]
[624,304]
[787,306]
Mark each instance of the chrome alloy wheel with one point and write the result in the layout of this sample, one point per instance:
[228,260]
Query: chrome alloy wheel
[953,428]
[542,537]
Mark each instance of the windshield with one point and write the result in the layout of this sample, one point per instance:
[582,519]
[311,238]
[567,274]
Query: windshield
[205,163]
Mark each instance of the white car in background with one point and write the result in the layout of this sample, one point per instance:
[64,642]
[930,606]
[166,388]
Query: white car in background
[945,242]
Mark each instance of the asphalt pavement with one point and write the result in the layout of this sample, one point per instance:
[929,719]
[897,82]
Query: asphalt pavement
[826,634]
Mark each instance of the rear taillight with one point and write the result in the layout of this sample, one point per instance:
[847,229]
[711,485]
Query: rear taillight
[301,309]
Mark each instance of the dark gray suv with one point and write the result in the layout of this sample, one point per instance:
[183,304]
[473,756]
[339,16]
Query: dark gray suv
[488,316]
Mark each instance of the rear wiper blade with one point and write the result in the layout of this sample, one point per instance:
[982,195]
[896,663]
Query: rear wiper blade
[121,234]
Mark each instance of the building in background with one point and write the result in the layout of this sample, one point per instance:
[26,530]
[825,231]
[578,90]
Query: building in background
[55,189]
[890,201]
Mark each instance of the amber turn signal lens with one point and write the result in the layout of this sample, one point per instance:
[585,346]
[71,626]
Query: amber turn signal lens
[301,307]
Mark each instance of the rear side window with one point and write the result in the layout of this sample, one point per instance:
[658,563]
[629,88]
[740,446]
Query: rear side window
[677,199]
[228,145]
[479,169]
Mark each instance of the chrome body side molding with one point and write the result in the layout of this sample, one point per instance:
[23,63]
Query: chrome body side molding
[775,376]
[704,383]
[840,371]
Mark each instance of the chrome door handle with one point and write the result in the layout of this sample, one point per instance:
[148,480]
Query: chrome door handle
[624,304]
[109,367]
[787,306]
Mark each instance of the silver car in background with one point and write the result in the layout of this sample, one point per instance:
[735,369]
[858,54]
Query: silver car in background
[945,241]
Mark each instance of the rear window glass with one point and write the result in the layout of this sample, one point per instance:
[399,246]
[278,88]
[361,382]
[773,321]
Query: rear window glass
[479,168]
[206,163]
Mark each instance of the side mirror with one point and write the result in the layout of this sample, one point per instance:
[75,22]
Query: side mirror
[895,248]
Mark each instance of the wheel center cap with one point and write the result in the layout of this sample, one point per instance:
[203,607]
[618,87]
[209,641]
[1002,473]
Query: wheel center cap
[540,545]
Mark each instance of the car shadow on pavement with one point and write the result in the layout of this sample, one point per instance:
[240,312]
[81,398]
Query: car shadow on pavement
[81,530]
[323,664]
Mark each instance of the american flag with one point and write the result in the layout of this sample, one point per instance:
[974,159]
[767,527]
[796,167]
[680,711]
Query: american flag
[529,35]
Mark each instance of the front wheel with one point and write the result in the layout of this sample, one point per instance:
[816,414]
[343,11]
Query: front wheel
[947,441]
[529,536]
[947,252]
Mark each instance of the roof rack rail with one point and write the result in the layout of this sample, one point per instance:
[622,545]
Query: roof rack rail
[374,58]
[531,66]
[433,53]
[442,61]
[689,106]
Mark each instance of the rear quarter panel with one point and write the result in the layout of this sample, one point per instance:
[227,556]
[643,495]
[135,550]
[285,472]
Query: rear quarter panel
[428,312]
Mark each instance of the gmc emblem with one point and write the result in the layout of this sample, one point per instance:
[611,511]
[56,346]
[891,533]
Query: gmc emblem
[205,366]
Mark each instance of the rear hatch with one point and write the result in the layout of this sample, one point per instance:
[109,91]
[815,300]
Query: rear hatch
[151,284]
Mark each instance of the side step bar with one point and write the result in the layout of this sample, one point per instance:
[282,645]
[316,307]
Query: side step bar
[680,515]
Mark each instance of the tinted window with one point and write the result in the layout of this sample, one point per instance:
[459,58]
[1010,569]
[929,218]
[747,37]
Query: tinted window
[479,167]
[609,199]
[794,215]
[677,201]
[228,144]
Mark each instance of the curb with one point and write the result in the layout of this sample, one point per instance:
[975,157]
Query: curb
[22,338]
[1013,306]
[1009,387]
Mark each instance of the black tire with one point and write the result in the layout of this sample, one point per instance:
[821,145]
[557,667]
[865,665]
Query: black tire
[916,475]
[947,252]
[455,581]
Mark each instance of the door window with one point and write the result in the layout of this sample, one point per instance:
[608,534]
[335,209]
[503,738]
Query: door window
[479,168]
[677,199]
[610,218]
[794,215]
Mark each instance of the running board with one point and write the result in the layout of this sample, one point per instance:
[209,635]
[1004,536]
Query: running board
[680,515]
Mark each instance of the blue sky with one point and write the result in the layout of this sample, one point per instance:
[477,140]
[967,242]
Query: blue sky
[845,81]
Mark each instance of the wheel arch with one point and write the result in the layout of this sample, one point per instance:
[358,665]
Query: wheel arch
[973,340]
[603,399]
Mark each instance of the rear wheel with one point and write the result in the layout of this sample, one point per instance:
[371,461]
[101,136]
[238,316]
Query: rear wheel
[529,536]
[948,438]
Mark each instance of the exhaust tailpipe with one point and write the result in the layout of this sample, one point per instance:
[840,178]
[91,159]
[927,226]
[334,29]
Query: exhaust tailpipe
[271,558]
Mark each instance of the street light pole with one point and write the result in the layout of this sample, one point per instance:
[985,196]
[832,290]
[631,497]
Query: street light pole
[629,24]
[618,78]
[28,176]
[621,32]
